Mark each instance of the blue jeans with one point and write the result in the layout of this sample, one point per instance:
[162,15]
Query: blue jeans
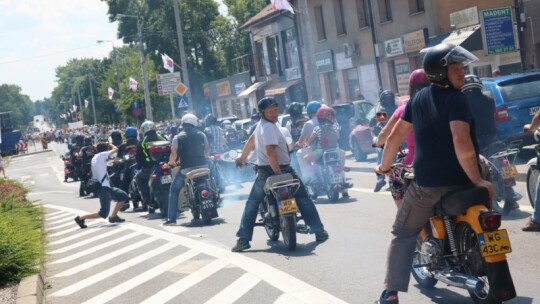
[379,160]
[106,195]
[176,186]
[536,211]
[256,197]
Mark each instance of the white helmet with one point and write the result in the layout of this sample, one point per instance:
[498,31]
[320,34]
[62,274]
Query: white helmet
[226,122]
[146,126]
[190,119]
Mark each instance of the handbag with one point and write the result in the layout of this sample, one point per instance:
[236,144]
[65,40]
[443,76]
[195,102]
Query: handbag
[93,185]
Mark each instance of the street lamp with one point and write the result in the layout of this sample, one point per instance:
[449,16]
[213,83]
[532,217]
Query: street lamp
[115,61]
[143,66]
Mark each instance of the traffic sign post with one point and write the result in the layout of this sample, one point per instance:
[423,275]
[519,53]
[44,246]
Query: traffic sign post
[166,83]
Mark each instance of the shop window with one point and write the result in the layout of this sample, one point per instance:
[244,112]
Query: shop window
[224,108]
[338,16]
[362,12]
[416,6]
[259,60]
[353,85]
[385,12]
[237,108]
[319,22]
[335,95]
[291,48]
[482,71]
[272,44]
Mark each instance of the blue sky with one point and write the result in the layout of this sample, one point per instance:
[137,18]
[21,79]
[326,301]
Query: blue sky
[39,35]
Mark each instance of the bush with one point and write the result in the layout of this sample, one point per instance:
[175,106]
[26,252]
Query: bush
[21,241]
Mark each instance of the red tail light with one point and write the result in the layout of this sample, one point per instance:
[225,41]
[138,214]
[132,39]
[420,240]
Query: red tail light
[204,193]
[284,194]
[154,176]
[505,162]
[217,155]
[501,114]
[490,220]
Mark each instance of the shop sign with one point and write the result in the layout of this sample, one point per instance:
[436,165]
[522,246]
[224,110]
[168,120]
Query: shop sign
[393,47]
[415,41]
[342,62]
[402,69]
[498,30]
[223,88]
[292,73]
[324,61]
[368,82]
[239,88]
[464,18]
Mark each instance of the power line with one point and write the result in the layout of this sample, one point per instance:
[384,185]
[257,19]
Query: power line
[49,54]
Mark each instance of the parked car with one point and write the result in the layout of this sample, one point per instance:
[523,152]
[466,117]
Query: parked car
[347,115]
[232,119]
[242,124]
[517,99]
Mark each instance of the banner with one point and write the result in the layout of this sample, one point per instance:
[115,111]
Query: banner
[86,102]
[168,63]
[133,84]
[282,5]
[75,125]
[110,91]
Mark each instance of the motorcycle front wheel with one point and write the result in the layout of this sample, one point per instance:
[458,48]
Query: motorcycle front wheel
[288,229]
[532,179]
[271,230]
[419,272]
[473,264]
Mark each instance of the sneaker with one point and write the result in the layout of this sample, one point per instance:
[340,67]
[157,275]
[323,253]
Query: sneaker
[531,226]
[116,219]
[392,298]
[321,236]
[345,194]
[379,185]
[169,223]
[80,222]
[241,245]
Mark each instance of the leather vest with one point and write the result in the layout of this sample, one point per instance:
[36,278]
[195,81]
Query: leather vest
[191,148]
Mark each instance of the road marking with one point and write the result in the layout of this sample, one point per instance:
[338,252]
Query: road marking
[43,174]
[96,248]
[106,257]
[53,214]
[288,299]
[112,271]
[58,215]
[366,190]
[66,231]
[83,242]
[63,220]
[185,283]
[66,223]
[141,278]
[236,290]
[49,192]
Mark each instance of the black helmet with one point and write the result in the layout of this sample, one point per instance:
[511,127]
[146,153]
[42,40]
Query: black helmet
[210,120]
[88,140]
[472,82]
[387,98]
[439,57]
[295,109]
[265,102]
[116,137]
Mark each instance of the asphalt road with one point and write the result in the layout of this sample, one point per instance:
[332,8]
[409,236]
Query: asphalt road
[141,261]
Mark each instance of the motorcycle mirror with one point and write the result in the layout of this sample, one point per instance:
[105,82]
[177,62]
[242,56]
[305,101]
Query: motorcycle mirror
[233,154]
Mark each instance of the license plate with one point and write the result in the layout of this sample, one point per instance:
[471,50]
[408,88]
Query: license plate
[533,110]
[166,179]
[493,243]
[287,206]
[509,172]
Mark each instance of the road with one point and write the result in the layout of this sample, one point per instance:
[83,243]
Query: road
[140,261]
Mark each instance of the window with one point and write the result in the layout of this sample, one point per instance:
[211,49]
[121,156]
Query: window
[416,6]
[482,71]
[385,13]
[259,59]
[362,12]
[338,14]
[353,84]
[290,47]
[273,55]
[319,22]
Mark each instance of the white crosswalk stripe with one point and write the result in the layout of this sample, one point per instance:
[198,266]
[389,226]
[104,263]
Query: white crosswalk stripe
[50,225]
[84,242]
[235,290]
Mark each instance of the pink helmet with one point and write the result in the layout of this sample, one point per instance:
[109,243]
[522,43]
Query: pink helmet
[327,113]
[418,80]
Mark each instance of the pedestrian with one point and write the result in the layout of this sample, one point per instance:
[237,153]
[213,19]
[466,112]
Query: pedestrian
[534,221]
[446,158]
[2,165]
[106,192]
[496,73]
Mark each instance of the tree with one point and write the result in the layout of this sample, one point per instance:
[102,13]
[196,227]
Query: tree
[20,105]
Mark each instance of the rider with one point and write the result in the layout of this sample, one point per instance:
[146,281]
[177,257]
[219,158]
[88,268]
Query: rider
[144,161]
[87,152]
[190,149]
[442,131]
[483,112]
[295,126]
[533,224]
[231,135]
[214,134]
[272,159]
[307,171]
[127,148]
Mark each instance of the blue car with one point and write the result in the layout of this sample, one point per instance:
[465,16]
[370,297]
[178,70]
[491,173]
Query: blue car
[517,99]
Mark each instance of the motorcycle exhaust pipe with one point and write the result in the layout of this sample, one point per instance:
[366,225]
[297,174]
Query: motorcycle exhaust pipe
[458,280]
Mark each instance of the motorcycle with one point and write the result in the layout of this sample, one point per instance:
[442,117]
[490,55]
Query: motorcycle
[161,178]
[133,190]
[331,177]
[462,246]
[69,168]
[504,175]
[200,194]
[279,211]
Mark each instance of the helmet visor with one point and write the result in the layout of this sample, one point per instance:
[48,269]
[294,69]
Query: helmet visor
[458,55]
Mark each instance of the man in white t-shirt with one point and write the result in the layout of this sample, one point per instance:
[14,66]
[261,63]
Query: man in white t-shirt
[106,193]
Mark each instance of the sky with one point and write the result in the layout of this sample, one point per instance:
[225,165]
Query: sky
[39,35]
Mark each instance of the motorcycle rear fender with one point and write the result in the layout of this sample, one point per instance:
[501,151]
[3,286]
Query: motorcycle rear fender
[500,280]
[471,217]
[532,162]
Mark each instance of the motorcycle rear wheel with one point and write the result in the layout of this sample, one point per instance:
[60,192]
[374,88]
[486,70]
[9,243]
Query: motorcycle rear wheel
[532,178]
[288,229]
[419,272]
[473,263]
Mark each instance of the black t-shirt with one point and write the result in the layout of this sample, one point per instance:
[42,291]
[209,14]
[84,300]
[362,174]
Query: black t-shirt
[483,111]
[430,111]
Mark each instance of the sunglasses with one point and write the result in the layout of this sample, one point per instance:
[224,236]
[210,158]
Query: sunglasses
[381,114]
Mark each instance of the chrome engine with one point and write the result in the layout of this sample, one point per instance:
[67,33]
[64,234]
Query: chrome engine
[432,252]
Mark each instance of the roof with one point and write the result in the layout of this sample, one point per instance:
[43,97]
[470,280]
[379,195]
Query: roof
[281,87]
[456,37]
[265,13]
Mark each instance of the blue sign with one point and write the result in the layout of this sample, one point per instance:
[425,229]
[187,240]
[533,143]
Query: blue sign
[498,30]
[135,104]
[182,102]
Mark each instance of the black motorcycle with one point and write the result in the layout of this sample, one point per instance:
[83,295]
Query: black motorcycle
[161,177]
[200,194]
[70,171]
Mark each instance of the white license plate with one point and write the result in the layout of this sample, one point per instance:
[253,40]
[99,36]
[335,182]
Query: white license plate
[533,110]
[166,179]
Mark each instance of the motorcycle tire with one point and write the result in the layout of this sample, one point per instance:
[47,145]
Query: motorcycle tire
[333,195]
[196,214]
[532,179]
[359,155]
[163,202]
[419,272]
[271,230]
[288,229]
[206,219]
[473,263]
[65,178]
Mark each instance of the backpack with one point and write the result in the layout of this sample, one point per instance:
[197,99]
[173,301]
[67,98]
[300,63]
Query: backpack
[328,139]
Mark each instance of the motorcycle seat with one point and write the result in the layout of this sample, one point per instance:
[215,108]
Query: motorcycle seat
[201,172]
[274,179]
[457,203]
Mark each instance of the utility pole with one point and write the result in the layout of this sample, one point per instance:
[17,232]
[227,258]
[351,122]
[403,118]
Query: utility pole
[185,77]
[92,95]
[520,28]
[375,45]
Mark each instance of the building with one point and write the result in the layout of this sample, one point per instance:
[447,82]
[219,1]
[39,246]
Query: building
[224,96]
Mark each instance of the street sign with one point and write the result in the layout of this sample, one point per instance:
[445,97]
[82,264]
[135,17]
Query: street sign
[181,88]
[498,30]
[182,102]
[167,83]
[136,112]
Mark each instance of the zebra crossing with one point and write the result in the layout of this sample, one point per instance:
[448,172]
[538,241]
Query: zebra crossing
[131,263]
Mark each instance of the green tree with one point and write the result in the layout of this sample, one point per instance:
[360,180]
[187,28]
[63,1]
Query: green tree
[21,107]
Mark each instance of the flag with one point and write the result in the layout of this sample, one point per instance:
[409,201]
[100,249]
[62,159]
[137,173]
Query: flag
[74,108]
[282,5]
[168,63]
[133,84]
[110,91]
[86,102]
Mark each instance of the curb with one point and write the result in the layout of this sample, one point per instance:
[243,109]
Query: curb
[31,290]
[32,153]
